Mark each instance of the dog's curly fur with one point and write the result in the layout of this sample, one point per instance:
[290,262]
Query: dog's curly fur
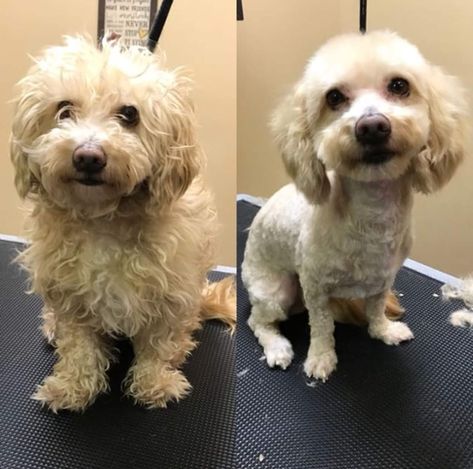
[128,256]
[343,229]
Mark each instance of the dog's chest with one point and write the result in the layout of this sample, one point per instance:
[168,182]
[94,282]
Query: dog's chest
[368,267]
[360,256]
[111,283]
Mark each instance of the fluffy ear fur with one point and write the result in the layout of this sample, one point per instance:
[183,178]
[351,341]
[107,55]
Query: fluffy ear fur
[26,127]
[292,128]
[437,162]
[180,156]
[23,176]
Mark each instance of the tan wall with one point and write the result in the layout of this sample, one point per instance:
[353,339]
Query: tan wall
[274,43]
[200,35]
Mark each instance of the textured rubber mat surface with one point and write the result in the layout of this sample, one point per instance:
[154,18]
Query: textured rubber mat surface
[385,407]
[113,433]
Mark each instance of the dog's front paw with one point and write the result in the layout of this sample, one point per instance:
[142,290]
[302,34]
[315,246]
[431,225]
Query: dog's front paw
[279,353]
[62,393]
[321,366]
[155,388]
[391,333]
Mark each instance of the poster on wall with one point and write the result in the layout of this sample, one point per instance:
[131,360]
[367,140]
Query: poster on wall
[129,18]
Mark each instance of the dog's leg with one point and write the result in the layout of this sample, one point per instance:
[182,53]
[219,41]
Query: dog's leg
[80,372]
[154,379]
[321,358]
[272,294]
[263,321]
[380,327]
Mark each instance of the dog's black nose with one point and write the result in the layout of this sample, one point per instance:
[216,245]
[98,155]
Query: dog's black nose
[89,158]
[373,129]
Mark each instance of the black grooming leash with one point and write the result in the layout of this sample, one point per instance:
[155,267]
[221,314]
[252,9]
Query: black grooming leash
[240,16]
[363,8]
[158,24]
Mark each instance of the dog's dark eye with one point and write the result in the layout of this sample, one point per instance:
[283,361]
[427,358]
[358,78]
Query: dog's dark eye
[399,87]
[64,110]
[128,116]
[335,98]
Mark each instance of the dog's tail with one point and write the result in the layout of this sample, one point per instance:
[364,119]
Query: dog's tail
[219,302]
[353,310]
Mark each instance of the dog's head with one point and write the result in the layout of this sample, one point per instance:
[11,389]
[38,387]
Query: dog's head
[93,126]
[371,107]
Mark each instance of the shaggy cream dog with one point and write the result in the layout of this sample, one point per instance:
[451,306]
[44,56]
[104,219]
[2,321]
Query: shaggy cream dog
[370,123]
[121,226]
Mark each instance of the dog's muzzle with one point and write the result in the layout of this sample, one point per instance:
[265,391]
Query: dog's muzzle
[372,131]
[89,160]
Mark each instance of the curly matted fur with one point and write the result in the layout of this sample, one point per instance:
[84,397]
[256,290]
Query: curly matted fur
[370,123]
[124,252]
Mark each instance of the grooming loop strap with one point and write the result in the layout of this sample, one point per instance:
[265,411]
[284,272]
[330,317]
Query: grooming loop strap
[363,8]
[158,24]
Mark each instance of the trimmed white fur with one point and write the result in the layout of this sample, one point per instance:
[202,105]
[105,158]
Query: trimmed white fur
[463,317]
[464,291]
[343,228]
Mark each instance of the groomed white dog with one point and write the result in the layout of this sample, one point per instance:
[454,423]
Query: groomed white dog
[121,225]
[370,123]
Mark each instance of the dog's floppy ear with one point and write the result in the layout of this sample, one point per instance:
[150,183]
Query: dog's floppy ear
[292,128]
[437,162]
[180,157]
[25,128]
[23,174]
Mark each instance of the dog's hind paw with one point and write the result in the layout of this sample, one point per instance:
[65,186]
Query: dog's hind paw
[391,333]
[279,353]
[320,366]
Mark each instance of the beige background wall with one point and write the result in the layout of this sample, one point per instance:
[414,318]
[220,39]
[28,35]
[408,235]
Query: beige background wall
[200,35]
[274,43]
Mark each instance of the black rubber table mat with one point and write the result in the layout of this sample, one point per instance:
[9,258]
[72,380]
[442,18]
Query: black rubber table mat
[385,407]
[114,433]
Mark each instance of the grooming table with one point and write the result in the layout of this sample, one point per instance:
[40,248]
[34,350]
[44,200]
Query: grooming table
[402,407]
[113,433]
